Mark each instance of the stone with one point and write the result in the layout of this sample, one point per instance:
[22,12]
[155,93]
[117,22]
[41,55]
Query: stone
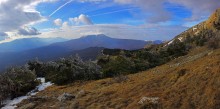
[154,100]
[80,93]
[66,96]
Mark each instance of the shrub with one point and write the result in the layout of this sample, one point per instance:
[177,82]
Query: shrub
[117,66]
[16,82]
[214,43]
[68,70]
[36,66]
[22,80]
[177,49]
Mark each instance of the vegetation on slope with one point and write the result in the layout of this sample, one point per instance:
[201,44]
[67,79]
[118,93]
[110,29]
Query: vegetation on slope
[123,62]
[66,70]
[188,82]
[120,62]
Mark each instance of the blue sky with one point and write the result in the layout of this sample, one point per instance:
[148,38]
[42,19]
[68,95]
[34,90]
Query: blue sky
[130,19]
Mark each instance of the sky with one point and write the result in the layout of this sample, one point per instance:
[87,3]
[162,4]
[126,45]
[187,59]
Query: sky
[127,19]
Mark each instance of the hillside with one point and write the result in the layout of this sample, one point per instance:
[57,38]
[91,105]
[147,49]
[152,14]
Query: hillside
[187,82]
[203,31]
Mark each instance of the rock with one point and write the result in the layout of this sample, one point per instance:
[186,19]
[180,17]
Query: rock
[153,100]
[80,93]
[28,106]
[150,103]
[66,96]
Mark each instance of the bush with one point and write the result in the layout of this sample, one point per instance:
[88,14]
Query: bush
[68,70]
[22,79]
[214,43]
[16,82]
[117,66]
[36,66]
[177,49]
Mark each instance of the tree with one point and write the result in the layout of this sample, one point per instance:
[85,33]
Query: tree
[36,66]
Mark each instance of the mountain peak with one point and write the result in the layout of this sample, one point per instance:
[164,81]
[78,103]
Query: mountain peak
[210,26]
[214,20]
[96,36]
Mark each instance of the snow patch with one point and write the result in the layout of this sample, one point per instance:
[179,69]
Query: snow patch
[194,29]
[170,42]
[180,39]
[11,104]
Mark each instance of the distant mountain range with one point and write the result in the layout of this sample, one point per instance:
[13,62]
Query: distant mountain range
[27,44]
[88,47]
[100,41]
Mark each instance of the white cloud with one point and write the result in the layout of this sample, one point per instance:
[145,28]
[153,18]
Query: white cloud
[154,8]
[65,25]
[15,14]
[3,36]
[200,8]
[142,32]
[58,22]
[28,31]
[82,19]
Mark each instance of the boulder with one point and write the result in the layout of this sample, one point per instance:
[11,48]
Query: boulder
[80,93]
[66,96]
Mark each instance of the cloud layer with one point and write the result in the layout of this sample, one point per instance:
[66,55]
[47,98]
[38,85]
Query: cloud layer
[199,8]
[158,13]
[28,31]
[154,9]
[15,14]
[142,32]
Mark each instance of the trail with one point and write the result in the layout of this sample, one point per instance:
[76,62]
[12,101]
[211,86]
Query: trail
[11,104]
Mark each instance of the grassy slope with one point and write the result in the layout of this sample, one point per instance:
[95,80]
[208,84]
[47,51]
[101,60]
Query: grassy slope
[198,88]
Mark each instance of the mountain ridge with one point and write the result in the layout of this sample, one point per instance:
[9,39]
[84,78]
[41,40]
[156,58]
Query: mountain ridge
[67,48]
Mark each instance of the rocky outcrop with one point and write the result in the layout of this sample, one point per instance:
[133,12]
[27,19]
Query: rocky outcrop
[66,96]
[214,21]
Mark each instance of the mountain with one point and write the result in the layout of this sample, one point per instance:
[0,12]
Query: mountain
[202,31]
[9,59]
[84,46]
[27,44]
[100,41]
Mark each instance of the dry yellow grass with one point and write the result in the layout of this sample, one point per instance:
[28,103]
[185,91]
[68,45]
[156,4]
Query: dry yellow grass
[214,18]
[189,82]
